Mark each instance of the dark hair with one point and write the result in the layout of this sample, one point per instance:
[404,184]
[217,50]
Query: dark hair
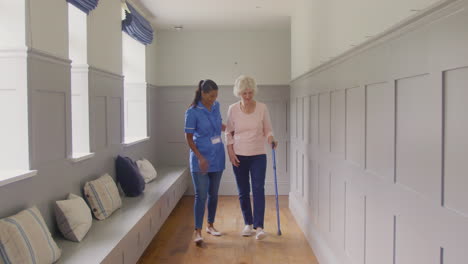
[204,86]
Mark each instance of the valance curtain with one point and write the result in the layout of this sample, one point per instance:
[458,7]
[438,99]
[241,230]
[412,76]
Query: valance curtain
[136,26]
[84,5]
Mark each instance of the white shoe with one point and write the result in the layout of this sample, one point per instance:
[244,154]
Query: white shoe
[211,230]
[248,231]
[198,238]
[260,234]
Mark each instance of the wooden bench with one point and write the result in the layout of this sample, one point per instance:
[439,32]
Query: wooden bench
[124,236]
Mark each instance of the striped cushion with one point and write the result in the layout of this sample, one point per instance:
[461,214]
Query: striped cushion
[25,238]
[103,196]
[73,217]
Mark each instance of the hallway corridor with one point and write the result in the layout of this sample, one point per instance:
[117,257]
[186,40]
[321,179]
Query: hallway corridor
[173,244]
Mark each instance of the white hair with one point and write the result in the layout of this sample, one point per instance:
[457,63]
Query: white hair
[243,83]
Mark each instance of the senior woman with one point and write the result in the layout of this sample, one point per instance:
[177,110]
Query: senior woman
[248,128]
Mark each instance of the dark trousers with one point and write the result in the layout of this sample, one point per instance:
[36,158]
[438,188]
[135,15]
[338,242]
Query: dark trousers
[252,167]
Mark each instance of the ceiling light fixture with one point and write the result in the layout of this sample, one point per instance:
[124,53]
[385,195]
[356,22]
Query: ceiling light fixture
[178,28]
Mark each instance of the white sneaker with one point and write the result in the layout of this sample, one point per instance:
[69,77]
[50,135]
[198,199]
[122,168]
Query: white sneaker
[198,238]
[248,231]
[211,230]
[260,234]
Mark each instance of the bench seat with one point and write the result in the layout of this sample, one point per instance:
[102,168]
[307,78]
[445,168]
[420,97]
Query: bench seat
[124,236]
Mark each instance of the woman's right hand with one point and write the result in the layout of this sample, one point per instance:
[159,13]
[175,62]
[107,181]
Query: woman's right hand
[233,158]
[203,164]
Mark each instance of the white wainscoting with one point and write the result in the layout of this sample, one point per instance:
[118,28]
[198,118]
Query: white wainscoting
[173,102]
[379,176]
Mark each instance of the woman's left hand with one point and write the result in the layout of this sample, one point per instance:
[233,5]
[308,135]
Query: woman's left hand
[272,142]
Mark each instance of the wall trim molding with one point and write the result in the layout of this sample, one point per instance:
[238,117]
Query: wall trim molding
[48,57]
[152,86]
[106,73]
[418,20]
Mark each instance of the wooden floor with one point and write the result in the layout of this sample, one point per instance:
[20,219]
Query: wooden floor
[174,241]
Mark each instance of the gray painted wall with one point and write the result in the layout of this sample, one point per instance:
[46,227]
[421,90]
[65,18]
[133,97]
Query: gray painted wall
[380,174]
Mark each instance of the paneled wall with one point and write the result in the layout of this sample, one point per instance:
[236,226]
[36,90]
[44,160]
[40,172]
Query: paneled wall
[378,147]
[48,109]
[50,137]
[173,102]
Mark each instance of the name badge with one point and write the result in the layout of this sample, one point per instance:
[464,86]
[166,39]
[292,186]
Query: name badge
[216,140]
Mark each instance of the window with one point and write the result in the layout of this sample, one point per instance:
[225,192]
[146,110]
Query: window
[134,69]
[78,52]
[14,134]
[136,33]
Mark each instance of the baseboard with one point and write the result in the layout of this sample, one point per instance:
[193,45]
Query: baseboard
[318,244]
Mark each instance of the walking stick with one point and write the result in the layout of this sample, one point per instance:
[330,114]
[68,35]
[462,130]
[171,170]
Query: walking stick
[276,190]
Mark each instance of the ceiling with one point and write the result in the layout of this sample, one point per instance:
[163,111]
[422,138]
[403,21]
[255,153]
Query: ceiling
[199,15]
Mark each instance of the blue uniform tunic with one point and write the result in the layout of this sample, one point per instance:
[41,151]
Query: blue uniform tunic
[204,125]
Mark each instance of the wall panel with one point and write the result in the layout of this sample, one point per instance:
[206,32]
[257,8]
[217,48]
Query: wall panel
[355,224]
[324,122]
[338,107]
[456,142]
[324,179]
[418,135]
[355,107]
[314,120]
[380,130]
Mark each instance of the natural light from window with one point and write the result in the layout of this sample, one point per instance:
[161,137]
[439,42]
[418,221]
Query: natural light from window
[135,105]
[78,52]
[14,133]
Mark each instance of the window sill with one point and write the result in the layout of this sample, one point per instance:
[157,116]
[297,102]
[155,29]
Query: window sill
[77,157]
[134,140]
[7,177]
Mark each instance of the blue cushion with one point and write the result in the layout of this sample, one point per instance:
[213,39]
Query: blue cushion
[129,176]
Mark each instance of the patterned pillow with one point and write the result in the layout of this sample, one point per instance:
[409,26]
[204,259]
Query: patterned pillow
[147,170]
[103,196]
[73,217]
[25,238]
